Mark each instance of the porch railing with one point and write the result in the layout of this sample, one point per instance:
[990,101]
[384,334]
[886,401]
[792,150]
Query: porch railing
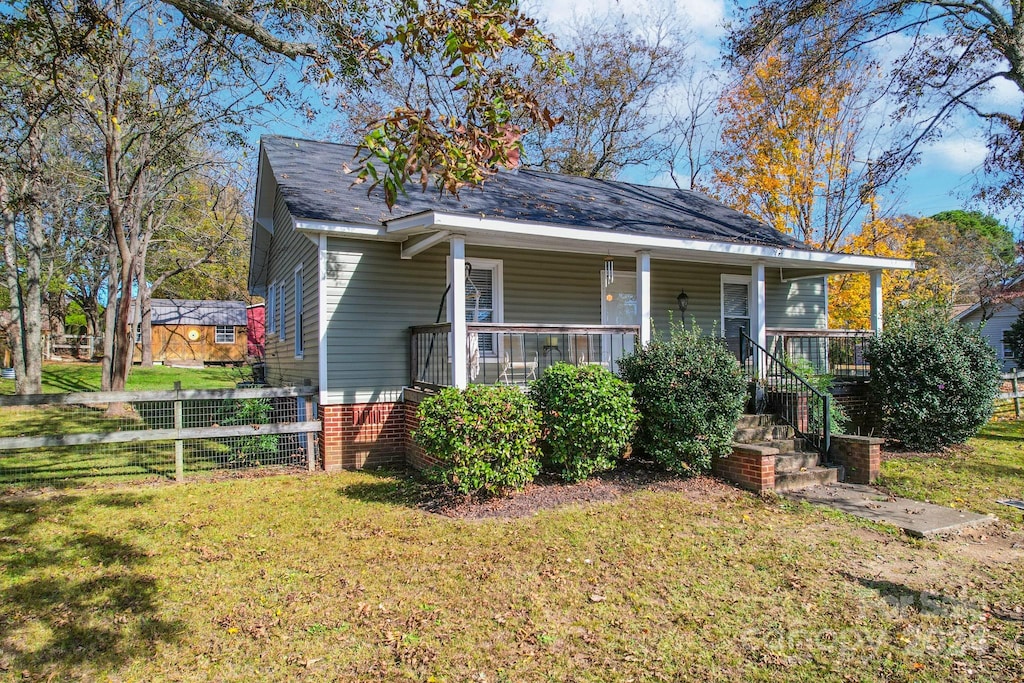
[839,353]
[780,390]
[509,353]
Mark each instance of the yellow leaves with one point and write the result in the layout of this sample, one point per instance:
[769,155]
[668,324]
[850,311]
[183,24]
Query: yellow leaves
[849,295]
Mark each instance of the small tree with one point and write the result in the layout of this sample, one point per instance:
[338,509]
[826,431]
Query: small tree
[933,381]
[690,392]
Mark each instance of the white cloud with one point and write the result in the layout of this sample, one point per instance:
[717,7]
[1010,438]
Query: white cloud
[954,154]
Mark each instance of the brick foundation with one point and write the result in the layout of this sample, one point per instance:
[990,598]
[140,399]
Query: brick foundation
[860,457]
[748,466]
[414,455]
[363,435]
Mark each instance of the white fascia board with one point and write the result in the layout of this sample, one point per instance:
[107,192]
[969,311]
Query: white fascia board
[775,255]
[341,229]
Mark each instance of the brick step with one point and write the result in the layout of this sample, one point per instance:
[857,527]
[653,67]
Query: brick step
[748,420]
[764,433]
[813,476]
[795,461]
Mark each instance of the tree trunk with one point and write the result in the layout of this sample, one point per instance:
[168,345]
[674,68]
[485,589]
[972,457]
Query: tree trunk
[145,300]
[14,331]
[109,321]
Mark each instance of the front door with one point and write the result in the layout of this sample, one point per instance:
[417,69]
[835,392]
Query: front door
[618,307]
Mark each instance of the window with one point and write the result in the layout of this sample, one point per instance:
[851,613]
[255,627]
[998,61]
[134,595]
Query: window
[282,305]
[299,349]
[224,334]
[484,298]
[271,311]
[735,309]
[138,333]
[1007,346]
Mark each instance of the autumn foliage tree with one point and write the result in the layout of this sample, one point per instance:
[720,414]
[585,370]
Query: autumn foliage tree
[788,156]
[849,295]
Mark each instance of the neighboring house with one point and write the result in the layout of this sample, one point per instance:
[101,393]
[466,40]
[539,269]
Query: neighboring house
[995,329]
[189,332]
[530,269]
[256,329]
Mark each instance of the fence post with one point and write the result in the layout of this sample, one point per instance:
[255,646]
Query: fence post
[1016,394]
[179,445]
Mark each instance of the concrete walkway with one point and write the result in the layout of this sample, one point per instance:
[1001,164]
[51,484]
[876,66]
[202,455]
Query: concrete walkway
[914,517]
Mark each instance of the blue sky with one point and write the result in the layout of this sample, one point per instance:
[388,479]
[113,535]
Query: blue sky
[942,180]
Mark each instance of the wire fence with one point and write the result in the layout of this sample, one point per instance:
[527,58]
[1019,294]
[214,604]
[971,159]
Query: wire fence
[68,440]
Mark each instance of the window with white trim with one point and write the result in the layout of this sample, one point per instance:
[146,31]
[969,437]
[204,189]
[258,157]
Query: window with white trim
[271,311]
[1007,346]
[299,347]
[282,309]
[484,298]
[224,334]
[735,308]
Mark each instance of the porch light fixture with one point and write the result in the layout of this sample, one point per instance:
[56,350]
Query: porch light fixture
[683,300]
[609,270]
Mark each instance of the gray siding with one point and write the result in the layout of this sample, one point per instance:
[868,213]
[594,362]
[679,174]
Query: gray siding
[993,329]
[288,249]
[373,297]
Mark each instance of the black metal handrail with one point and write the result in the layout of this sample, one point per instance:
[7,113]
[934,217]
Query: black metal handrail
[805,408]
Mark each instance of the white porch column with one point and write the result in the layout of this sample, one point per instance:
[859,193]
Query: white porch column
[758,328]
[876,301]
[643,294]
[457,310]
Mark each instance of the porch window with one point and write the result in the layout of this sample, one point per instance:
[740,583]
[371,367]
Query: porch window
[299,348]
[1007,346]
[224,334]
[484,299]
[735,309]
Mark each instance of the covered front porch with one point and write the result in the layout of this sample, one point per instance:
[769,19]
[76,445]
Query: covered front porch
[510,312]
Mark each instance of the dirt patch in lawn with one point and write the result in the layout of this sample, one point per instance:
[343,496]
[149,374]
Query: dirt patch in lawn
[893,451]
[550,492]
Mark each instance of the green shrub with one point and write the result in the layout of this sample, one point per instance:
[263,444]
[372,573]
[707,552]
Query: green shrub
[483,436]
[250,450]
[690,392]
[588,418]
[932,381]
[823,383]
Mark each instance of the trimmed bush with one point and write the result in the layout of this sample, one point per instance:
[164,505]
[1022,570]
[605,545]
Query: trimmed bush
[588,418]
[484,437]
[932,381]
[690,392]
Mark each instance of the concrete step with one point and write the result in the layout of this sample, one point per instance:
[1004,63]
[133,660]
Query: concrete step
[747,420]
[795,444]
[764,433]
[813,476]
[795,461]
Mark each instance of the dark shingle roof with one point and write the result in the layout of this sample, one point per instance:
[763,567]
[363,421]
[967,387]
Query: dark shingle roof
[314,185]
[196,312]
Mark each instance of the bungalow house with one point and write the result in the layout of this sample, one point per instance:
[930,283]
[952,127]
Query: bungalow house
[501,281]
[196,332]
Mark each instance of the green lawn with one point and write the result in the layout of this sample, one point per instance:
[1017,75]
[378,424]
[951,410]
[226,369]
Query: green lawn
[342,577]
[973,478]
[74,377]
